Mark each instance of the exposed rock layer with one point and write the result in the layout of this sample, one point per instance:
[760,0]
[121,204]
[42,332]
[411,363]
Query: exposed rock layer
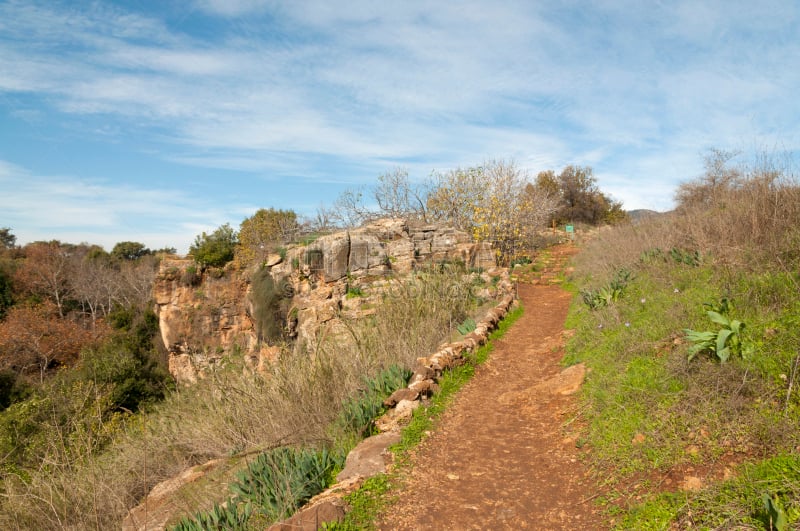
[205,318]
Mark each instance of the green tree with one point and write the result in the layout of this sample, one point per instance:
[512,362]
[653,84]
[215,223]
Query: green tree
[580,199]
[215,249]
[127,363]
[263,231]
[130,250]
[6,292]
[7,240]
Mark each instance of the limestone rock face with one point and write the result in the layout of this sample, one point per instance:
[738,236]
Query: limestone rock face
[204,318]
[200,319]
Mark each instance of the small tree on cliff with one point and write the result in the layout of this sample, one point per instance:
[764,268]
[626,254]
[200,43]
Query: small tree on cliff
[215,249]
[263,231]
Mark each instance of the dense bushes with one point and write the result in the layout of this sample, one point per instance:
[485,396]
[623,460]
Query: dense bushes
[127,363]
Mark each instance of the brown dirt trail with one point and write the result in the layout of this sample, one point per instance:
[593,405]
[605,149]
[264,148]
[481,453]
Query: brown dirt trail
[503,455]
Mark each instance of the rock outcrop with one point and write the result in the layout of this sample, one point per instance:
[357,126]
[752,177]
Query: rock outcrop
[370,457]
[206,318]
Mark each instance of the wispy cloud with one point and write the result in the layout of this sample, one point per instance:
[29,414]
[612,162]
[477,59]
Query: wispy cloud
[310,90]
[39,207]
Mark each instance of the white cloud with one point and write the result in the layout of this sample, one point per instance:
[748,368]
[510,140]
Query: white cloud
[40,207]
[637,92]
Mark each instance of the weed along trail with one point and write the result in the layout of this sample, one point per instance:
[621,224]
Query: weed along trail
[503,455]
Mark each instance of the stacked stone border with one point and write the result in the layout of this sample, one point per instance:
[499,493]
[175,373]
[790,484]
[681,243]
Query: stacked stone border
[371,456]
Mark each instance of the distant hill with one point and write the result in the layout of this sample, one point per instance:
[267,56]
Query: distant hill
[642,213]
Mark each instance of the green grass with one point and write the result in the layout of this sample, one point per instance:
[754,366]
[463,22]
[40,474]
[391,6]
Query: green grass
[735,502]
[377,493]
[646,405]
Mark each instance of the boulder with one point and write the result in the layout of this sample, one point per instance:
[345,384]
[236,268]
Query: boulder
[567,382]
[367,253]
[273,260]
[424,387]
[400,395]
[369,457]
[329,256]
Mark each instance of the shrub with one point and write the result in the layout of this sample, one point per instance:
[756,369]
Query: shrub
[353,292]
[12,388]
[228,517]
[215,249]
[269,305]
[190,276]
[726,341]
[467,326]
[608,294]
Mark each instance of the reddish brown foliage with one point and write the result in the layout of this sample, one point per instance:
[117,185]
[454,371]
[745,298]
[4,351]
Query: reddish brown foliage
[34,339]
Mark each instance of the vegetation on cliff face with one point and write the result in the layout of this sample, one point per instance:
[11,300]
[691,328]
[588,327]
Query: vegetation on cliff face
[715,425]
[268,297]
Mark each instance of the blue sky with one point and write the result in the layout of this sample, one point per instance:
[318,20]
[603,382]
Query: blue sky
[154,121]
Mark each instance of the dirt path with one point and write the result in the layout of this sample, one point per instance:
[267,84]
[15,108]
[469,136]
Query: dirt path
[502,456]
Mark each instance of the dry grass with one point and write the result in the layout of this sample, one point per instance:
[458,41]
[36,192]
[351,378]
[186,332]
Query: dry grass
[233,412]
[750,222]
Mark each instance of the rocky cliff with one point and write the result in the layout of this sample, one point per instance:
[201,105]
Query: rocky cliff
[206,318]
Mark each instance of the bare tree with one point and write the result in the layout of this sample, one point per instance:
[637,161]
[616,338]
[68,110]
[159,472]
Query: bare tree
[397,196]
[719,177]
[349,209]
[46,271]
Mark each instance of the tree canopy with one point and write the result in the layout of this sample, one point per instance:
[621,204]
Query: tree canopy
[7,240]
[263,231]
[579,197]
[215,249]
[130,250]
